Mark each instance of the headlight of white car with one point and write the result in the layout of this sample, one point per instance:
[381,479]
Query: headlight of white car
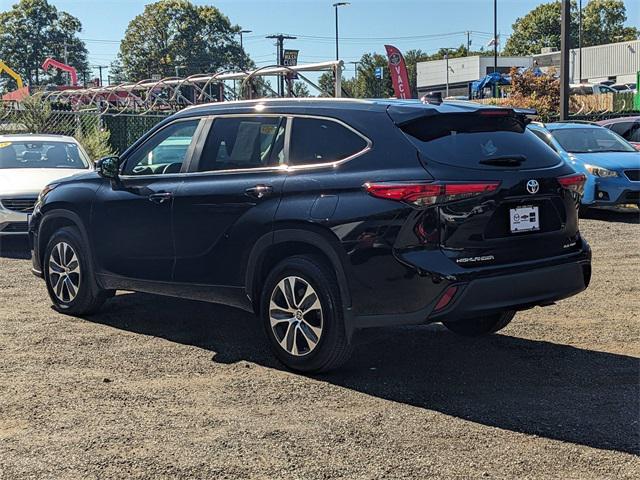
[600,171]
[45,191]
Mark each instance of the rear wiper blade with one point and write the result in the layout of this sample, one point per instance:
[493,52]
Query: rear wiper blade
[505,161]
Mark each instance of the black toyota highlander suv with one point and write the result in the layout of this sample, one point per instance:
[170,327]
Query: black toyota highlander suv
[323,217]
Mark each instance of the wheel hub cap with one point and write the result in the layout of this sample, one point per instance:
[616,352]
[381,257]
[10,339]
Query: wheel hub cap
[64,272]
[295,314]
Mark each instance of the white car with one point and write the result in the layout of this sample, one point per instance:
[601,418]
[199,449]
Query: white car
[27,164]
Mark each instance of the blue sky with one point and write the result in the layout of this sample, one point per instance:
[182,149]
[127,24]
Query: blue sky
[365,25]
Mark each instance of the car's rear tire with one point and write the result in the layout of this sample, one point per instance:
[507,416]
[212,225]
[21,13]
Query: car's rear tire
[301,311]
[474,327]
[69,276]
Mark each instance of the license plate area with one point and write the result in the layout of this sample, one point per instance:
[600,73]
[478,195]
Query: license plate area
[524,219]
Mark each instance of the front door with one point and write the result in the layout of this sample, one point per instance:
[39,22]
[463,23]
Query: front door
[230,199]
[131,221]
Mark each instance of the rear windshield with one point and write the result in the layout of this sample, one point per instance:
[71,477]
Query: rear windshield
[590,140]
[35,154]
[479,141]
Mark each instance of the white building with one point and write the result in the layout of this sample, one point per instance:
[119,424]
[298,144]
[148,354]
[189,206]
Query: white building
[432,76]
[618,62]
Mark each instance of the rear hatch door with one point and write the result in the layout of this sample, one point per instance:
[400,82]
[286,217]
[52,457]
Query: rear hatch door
[528,217]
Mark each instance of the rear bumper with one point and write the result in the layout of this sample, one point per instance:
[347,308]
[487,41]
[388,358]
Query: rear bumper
[484,292]
[517,291]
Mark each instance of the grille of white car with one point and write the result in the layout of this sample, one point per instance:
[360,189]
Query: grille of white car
[22,205]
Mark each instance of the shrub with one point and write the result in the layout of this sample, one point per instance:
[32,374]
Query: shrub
[95,141]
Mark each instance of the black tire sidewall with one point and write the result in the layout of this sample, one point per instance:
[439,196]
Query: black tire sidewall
[87,291]
[325,286]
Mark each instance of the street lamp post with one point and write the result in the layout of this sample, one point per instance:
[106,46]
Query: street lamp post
[336,5]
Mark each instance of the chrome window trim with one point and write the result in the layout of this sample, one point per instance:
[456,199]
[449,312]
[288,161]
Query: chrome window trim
[284,168]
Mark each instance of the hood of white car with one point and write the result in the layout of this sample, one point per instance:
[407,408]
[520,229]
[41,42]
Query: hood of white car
[30,181]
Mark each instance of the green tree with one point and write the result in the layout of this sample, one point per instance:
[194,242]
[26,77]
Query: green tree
[176,33]
[602,22]
[33,30]
[116,71]
[300,89]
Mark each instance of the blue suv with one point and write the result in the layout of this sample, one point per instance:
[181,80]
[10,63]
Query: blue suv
[610,163]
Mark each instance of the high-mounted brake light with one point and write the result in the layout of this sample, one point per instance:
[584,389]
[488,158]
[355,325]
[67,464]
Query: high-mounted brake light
[425,194]
[496,112]
[574,182]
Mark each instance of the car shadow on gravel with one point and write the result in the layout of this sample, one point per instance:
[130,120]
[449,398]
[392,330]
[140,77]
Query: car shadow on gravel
[534,387]
[15,247]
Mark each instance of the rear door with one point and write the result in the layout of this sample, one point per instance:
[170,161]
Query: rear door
[229,198]
[529,216]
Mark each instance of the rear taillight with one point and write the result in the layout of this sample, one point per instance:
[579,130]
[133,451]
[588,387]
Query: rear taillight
[574,182]
[425,194]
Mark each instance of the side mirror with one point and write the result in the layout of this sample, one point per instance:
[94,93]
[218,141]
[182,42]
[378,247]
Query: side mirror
[108,167]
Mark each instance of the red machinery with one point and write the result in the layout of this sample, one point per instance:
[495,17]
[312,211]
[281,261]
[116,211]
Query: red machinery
[50,62]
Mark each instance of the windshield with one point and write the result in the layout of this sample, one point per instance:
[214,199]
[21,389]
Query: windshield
[590,140]
[41,154]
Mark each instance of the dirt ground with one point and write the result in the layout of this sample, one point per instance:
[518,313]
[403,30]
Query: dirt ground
[165,388]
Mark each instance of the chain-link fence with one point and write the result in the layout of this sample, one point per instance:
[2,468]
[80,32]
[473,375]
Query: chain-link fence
[124,129]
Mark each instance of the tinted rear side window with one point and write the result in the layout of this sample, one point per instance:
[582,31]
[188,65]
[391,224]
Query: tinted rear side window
[468,140]
[243,142]
[316,140]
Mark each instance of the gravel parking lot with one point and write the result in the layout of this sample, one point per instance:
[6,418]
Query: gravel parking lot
[165,388]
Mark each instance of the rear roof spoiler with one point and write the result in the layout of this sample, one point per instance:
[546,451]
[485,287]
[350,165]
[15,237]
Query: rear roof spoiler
[403,114]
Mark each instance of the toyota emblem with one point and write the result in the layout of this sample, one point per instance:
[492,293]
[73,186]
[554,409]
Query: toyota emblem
[533,186]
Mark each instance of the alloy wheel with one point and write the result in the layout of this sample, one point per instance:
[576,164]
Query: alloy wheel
[295,315]
[64,272]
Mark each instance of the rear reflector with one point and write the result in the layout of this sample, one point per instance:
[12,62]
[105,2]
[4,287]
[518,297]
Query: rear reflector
[424,194]
[574,182]
[446,298]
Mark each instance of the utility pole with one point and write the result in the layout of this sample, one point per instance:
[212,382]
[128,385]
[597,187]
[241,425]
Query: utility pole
[495,35]
[355,68]
[579,41]
[468,42]
[565,31]
[446,57]
[335,6]
[280,38]
[100,67]
[241,32]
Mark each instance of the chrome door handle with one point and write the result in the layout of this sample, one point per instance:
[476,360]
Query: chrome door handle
[160,198]
[259,191]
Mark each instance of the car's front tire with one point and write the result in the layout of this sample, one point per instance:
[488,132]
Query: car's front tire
[475,327]
[68,274]
[302,315]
